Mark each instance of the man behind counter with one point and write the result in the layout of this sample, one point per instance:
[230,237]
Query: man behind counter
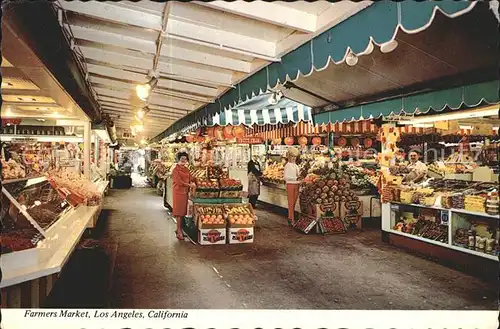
[418,169]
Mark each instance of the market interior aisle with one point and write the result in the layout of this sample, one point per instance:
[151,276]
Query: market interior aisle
[283,269]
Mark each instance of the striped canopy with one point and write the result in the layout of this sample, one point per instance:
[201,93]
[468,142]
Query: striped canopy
[258,111]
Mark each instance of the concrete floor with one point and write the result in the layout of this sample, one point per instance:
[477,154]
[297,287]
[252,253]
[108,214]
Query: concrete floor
[283,269]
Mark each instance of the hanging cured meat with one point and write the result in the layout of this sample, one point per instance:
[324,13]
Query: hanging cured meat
[355,142]
[368,142]
[316,140]
[228,132]
[218,133]
[239,131]
[289,141]
[302,140]
[342,141]
[210,132]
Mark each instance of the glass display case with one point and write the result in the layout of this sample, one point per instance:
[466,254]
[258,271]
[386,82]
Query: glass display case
[471,232]
[426,223]
[475,233]
[37,201]
[18,232]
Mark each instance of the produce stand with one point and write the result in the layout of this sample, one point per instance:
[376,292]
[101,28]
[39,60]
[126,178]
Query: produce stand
[38,240]
[216,224]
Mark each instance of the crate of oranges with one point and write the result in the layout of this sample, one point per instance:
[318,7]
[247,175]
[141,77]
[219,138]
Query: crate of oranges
[210,216]
[239,215]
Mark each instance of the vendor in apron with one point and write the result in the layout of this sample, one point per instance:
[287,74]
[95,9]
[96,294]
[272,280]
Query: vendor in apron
[291,176]
[418,169]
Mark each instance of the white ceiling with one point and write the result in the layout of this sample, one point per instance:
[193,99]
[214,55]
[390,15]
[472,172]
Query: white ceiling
[28,88]
[207,47]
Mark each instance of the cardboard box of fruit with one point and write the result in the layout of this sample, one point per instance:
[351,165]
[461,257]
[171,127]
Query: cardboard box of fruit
[239,215]
[229,184]
[207,185]
[210,216]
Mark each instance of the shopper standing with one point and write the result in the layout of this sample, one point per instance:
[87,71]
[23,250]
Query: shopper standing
[182,182]
[291,175]
[254,174]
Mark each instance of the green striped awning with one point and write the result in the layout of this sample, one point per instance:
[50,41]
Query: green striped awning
[378,23]
[455,98]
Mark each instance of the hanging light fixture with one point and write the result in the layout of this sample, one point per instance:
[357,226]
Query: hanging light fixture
[143,91]
[273,99]
[351,59]
[389,46]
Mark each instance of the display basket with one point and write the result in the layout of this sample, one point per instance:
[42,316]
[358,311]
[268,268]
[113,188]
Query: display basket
[387,194]
[362,191]
[231,188]
[225,194]
[206,194]
[458,201]
[397,195]
[210,210]
[475,203]
[406,197]
[446,201]
[428,201]
[246,210]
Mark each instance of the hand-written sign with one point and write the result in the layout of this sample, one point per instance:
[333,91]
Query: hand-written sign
[23,140]
[250,140]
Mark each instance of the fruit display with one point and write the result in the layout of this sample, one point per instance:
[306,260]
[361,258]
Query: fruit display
[212,219]
[327,185]
[210,214]
[359,177]
[330,225]
[274,173]
[198,172]
[207,184]
[160,168]
[12,170]
[305,224]
[214,172]
[239,214]
[230,184]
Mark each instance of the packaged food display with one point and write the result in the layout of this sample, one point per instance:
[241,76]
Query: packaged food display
[475,203]
[12,170]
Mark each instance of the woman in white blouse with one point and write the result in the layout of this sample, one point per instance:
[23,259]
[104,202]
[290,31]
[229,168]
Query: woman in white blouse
[291,175]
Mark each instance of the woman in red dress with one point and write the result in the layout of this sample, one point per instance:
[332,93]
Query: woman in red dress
[182,182]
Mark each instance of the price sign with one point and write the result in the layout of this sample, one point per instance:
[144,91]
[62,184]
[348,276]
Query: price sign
[23,140]
[250,140]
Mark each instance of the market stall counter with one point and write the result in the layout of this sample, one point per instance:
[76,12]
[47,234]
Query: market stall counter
[452,220]
[42,224]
